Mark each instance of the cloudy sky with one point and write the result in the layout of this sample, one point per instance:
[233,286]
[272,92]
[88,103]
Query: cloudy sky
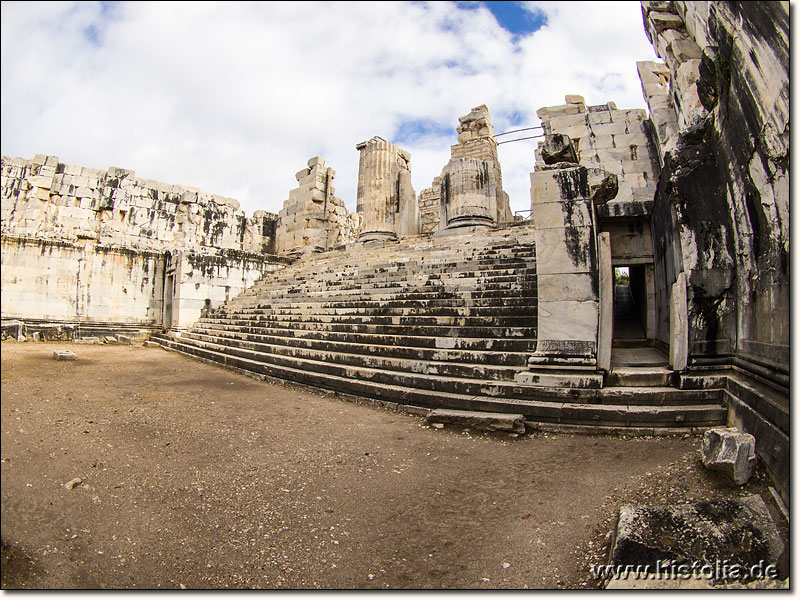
[235,97]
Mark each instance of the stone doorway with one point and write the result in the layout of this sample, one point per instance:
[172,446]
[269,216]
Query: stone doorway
[632,342]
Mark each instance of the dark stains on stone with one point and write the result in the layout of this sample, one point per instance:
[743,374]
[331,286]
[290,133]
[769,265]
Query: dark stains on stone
[573,183]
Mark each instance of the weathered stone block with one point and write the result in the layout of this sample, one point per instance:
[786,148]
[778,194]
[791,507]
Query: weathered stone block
[739,531]
[485,421]
[558,148]
[568,320]
[731,452]
[64,355]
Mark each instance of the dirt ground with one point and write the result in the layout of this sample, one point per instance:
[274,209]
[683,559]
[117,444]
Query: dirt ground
[195,476]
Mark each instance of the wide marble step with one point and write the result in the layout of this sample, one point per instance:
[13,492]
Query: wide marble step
[494,345]
[385,329]
[372,360]
[540,405]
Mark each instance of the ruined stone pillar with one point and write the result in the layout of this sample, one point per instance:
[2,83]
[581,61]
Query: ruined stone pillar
[386,199]
[476,140]
[313,218]
[605,332]
[569,303]
[468,194]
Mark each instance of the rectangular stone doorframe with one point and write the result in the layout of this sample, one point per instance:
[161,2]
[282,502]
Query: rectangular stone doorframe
[678,325]
[605,329]
[171,272]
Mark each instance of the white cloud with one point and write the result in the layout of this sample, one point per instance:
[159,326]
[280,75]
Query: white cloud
[234,98]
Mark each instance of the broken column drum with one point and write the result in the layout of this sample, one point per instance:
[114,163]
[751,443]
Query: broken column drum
[468,193]
[384,187]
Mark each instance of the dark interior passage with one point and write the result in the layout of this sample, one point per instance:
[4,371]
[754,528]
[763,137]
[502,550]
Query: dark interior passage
[629,304]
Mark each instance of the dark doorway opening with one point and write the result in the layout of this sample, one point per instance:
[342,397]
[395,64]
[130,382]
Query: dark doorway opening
[629,305]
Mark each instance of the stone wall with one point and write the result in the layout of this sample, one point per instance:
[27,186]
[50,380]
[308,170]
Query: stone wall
[721,212]
[617,141]
[64,281]
[86,245]
[726,186]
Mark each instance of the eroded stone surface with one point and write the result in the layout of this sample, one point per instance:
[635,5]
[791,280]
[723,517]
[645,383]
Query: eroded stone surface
[740,531]
[731,452]
[484,421]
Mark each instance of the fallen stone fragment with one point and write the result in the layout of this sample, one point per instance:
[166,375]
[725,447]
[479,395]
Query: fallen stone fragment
[123,339]
[87,340]
[64,355]
[12,329]
[73,483]
[558,148]
[485,421]
[110,339]
[736,531]
[149,344]
[731,452]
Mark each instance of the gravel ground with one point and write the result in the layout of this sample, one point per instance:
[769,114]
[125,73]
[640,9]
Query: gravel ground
[198,477]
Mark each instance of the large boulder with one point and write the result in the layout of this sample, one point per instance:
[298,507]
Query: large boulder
[731,452]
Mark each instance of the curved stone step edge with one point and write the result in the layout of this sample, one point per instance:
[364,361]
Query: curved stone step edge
[433,383]
[404,321]
[523,345]
[350,300]
[481,357]
[357,311]
[536,411]
[481,269]
[387,329]
[373,360]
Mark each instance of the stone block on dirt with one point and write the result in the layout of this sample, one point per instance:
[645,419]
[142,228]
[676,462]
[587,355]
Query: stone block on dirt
[12,329]
[110,339]
[61,332]
[485,421]
[64,355]
[740,531]
[73,483]
[731,452]
[149,344]
[123,339]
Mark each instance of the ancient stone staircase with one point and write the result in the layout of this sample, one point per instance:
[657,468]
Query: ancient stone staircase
[432,322]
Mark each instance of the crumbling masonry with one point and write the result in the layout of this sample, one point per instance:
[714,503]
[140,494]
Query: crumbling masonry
[442,299]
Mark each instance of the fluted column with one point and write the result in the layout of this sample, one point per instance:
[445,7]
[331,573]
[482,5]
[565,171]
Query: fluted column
[468,193]
[378,196]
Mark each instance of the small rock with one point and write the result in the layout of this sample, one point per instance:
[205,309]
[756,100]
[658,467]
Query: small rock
[506,565]
[72,483]
[437,425]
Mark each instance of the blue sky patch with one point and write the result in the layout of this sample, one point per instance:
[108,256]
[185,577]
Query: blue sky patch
[409,131]
[515,18]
